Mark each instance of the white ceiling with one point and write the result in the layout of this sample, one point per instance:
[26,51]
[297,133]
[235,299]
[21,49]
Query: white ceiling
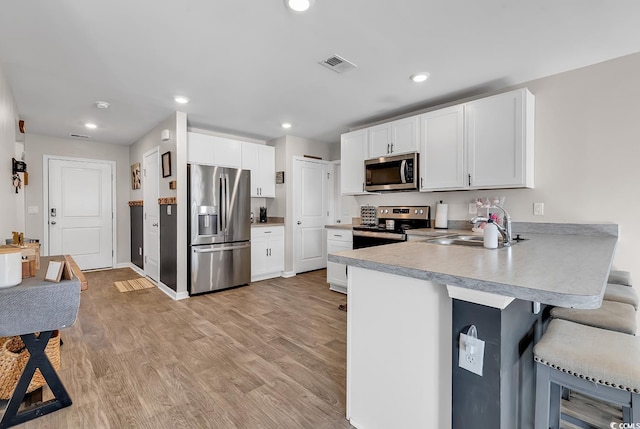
[250,65]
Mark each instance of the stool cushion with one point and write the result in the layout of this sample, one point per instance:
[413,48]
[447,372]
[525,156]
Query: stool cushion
[620,278]
[614,316]
[620,293]
[597,355]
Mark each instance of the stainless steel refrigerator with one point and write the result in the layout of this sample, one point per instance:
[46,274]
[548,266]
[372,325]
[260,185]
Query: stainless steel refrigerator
[219,228]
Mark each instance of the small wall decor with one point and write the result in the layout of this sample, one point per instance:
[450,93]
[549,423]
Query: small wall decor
[135,176]
[172,184]
[166,164]
[279,177]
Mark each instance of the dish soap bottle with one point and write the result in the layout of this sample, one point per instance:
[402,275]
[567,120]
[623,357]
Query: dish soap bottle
[490,235]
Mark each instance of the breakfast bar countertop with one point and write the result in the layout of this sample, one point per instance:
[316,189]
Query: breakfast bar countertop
[567,270]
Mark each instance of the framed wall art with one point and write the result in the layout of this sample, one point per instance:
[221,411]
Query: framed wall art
[135,176]
[166,164]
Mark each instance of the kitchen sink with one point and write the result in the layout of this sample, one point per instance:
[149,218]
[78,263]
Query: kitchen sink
[462,240]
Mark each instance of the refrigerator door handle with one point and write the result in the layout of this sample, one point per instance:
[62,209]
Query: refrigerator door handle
[222,207]
[226,203]
[221,248]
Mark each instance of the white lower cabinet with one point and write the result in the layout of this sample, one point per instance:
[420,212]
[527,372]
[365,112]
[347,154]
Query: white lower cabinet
[337,241]
[267,252]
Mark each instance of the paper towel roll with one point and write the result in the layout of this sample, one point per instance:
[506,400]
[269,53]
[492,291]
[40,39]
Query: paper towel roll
[442,212]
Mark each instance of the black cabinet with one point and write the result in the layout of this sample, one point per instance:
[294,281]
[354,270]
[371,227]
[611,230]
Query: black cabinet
[137,235]
[168,242]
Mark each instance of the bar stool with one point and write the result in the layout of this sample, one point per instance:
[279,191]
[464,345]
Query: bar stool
[620,278]
[621,293]
[566,358]
[613,316]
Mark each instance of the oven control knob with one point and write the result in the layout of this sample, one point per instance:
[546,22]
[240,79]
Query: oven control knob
[415,211]
[421,211]
[386,211]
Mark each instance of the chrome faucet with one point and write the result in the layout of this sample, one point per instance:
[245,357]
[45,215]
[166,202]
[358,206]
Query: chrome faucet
[505,231]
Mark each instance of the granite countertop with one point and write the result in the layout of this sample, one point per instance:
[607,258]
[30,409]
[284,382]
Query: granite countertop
[268,223]
[556,269]
[340,226]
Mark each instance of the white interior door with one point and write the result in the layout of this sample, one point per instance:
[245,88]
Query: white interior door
[310,211]
[80,212]
[150,177]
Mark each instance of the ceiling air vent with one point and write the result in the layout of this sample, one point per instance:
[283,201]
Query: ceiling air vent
[80,136]
[337,64]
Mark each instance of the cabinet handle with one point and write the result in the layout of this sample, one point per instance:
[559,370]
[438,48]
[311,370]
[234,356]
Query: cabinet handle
[388,146]
[469,179]
[422,182]
[267,250]
[337,235]
[391,147]
[346,271]
[268,232]
[362,186]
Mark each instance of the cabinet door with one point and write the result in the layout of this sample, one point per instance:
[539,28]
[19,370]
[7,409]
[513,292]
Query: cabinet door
[251,161]
[213,150]
[380,140]
[442,149]
[267,171]
[258,256]
[405,135]
[276,254]
[336,273]
[500,140]
[353,151]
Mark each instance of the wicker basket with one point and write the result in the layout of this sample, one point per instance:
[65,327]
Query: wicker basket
[13,359]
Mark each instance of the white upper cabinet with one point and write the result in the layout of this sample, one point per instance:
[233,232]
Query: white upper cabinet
[213,150]
[260,159]
[442,163]
[499,132]
[353,152]
[394,138]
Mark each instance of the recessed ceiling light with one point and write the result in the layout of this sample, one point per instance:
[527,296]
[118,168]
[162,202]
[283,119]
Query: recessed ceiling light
[90,125]
[102,105]
[420,77]
[299,5]
[181,99]
[286,125]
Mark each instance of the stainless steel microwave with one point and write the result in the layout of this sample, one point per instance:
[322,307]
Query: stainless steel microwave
[392,173]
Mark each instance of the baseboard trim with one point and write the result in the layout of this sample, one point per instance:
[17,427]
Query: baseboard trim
[287,274]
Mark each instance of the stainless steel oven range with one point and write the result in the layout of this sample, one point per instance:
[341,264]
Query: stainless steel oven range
[391,226]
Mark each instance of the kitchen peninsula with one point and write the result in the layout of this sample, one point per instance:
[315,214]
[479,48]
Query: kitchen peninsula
[403,325]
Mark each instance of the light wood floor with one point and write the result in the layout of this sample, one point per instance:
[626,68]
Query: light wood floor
[268,355]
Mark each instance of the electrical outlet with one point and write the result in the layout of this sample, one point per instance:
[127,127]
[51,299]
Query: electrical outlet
[473,208]
[538,209]
[471,362]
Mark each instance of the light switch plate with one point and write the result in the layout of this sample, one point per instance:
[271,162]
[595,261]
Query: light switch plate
[475,362]
[32,209]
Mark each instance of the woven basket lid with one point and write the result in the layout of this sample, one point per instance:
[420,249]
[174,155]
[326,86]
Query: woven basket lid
[5,249]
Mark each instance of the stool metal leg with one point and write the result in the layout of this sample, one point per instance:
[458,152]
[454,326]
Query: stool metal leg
[554,405]
[635,409]
[543,397]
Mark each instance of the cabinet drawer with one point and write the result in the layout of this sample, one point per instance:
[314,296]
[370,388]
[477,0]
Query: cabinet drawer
[340,235]
[266,231]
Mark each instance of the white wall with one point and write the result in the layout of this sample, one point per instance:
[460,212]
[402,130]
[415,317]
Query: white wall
[37,145]
[587,149]
[12,215]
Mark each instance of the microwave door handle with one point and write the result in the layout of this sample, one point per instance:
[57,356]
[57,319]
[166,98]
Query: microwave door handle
[403,169]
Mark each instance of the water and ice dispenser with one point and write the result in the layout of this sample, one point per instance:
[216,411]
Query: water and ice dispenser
[207,220]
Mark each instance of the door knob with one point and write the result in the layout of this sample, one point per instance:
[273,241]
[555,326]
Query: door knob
[53,222]
[299,222]
[154,224]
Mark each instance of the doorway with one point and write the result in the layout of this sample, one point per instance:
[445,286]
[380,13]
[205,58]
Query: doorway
[310,213]
[151,219]
[79,196]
